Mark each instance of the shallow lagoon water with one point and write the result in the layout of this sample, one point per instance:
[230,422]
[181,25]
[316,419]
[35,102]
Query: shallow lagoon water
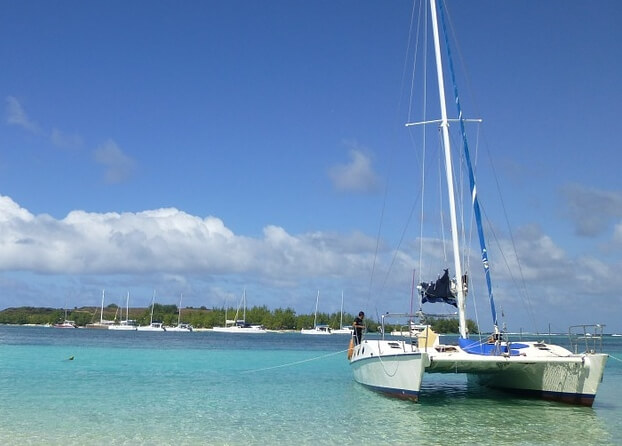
[278,388]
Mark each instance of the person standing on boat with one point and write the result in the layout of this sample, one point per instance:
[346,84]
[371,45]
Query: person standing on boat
[358,327]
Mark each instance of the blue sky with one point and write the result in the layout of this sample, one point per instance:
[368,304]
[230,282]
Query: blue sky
[205,147]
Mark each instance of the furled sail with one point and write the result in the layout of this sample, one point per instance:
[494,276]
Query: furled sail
[443,290]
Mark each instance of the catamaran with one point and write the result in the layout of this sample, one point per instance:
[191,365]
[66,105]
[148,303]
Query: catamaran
[540,369]
[236,325]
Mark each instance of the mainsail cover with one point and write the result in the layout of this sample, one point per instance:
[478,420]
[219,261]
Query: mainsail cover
[439,291]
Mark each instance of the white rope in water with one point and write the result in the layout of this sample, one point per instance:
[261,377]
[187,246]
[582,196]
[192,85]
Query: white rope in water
[289,364]
[617,359]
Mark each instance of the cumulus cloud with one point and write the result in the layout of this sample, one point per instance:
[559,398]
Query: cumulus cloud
[16,115]
[591,210]
[118,166]
[356,176]
[170,243]
[163,240]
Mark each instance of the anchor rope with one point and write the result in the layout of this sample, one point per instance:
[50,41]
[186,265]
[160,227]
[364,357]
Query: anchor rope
[289,364]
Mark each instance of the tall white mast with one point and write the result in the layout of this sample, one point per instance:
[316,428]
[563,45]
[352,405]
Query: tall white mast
[101,314]
[317,301]
[449,171]
[127,306]
[181,295]
[152,305]
[341,320]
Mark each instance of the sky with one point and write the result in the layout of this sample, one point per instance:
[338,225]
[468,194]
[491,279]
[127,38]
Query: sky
[204,148]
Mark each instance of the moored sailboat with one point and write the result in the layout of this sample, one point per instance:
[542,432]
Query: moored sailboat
[153,325]
[126,324]
[527,368]
[343,329]
[236,325]
[318,329]
[103,324]
[181,326]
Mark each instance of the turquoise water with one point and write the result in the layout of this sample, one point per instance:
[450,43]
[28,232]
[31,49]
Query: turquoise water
[279,388]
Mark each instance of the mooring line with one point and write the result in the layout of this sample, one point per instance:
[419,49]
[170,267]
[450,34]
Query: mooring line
[617,359]
[295,362]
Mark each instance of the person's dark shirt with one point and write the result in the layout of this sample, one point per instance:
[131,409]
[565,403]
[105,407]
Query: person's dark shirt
[358,327]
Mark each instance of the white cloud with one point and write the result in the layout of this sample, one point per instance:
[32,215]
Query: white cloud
[118,165]
[16,115]
[162,240]
[356,176]
[592,210]
[135,247]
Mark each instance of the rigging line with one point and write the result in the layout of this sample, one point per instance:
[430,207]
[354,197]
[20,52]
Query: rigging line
[415,58]
[484,250]
[289,364]
[511,233]
[399,243]
[386,188]
[384,369]
[507,263]
[425,144]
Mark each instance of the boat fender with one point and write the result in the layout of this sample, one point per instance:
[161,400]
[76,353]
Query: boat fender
[351,348]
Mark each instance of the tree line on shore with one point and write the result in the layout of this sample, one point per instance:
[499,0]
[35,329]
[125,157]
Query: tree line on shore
[278,319]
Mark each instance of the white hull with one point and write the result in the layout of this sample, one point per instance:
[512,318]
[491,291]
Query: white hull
[123,327]
[546,371]
[394,368]
[317,330]
[346,330]
[179,329]
[237,329]
[153,327]
[99,326]
[66,324]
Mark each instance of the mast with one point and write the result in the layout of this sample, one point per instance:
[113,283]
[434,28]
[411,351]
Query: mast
[127,307]
[473,188]
[152,304]
[341,320]
[449,172]
[101,314]
[181,295]
[317,300]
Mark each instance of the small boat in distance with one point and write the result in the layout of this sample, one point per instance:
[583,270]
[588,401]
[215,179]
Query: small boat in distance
[240,325]
[126,324]
[181,326]
[317,329]
[153,325]
[348,329]
[66,323]
[102,324]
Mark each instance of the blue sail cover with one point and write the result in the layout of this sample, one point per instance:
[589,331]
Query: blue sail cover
[439,291]
[489,348]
